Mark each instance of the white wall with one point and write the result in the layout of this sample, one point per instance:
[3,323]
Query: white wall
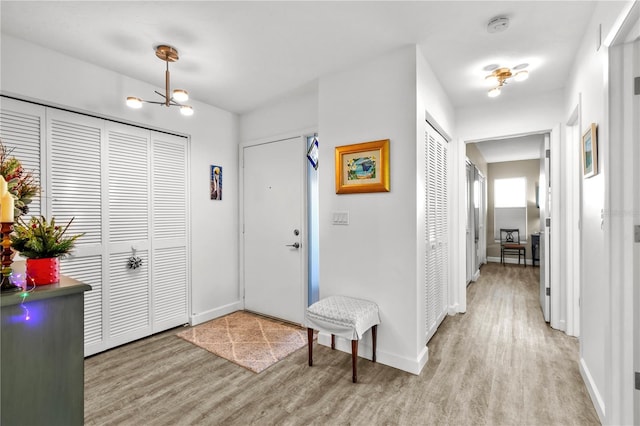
[589,82]
[536,114]
[374,257]
[32,72]
[293,113]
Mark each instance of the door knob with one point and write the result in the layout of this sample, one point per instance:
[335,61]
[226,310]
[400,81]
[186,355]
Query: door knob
[294,245]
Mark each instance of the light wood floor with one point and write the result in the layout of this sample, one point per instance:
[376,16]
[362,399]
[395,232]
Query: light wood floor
[498,364]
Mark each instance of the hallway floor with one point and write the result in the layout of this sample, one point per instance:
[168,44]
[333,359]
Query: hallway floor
[498,364]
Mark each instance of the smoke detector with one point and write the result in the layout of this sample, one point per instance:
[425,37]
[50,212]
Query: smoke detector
[498,24]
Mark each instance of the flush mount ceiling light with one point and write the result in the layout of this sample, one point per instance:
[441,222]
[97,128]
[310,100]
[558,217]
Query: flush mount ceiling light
[175,98]
[500,76]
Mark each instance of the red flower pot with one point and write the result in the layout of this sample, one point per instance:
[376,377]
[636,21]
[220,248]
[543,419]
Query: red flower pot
[43,271]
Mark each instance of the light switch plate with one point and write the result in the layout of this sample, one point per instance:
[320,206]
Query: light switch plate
[340,218]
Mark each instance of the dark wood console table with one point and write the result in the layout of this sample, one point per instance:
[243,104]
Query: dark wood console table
[42,355]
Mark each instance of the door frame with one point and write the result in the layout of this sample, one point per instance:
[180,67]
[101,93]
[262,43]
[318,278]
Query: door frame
[622,207]
[572,217]
[555,141]
[304,255]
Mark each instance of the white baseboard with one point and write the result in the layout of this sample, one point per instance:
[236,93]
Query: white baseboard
[509,260]
[596,398]
[413,366]
[562,326]
[454,309]
[201,317]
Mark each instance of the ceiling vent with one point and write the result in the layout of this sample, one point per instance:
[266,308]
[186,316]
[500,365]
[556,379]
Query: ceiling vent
[498,24]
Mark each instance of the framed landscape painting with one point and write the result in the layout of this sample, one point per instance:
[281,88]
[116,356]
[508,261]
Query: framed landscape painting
[362,167]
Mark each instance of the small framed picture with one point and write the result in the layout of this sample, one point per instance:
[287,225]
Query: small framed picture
[363,167]
[312,153]
[590,151]
[216,183]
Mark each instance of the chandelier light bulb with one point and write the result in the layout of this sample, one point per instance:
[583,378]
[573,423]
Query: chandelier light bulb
[180,95]
[133,102]
[491,80]
[494,92]
[521,75]
[186,110]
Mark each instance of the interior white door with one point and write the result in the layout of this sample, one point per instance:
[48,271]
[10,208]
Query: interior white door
[634,107]
[274,228]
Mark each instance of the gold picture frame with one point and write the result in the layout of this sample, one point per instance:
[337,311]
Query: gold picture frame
[362,167]
[590,151]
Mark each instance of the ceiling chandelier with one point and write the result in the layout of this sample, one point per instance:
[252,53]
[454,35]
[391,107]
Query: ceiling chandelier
[501,75]
[175,98]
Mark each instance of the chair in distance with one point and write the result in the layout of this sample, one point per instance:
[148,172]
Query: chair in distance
[510,245]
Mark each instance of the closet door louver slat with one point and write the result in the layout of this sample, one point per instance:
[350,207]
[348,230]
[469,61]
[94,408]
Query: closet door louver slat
[21,128]
[128,187]
[89,271]
[169,289]
[76,187]
[169,184]
[128,298]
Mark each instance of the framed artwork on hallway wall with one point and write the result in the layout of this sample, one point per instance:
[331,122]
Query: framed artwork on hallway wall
[362,167]
[590,151]
[215,185]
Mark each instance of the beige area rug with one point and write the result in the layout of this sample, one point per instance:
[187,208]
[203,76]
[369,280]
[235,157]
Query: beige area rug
[249,340]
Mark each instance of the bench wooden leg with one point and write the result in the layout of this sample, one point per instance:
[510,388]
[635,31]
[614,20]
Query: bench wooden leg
[354,359]
[333,341]
[310,338]
[374,335]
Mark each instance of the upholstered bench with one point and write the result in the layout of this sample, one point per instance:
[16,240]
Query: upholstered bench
[344,317]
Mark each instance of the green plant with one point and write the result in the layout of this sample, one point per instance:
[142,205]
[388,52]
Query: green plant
[38,239]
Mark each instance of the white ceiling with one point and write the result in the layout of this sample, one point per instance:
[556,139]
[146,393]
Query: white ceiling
[241,55]
[512,149]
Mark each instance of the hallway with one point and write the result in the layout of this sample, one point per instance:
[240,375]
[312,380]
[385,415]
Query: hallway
[498,364]
[510,366]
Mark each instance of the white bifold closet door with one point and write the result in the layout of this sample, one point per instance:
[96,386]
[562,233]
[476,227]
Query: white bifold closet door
[169,231]
[436,261]
[72,166]
[127,189]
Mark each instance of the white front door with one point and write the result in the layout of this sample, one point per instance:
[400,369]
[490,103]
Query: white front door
[275,279]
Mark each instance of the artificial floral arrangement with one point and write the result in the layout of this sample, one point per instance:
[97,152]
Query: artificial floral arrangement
[20,182]
[39,239]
